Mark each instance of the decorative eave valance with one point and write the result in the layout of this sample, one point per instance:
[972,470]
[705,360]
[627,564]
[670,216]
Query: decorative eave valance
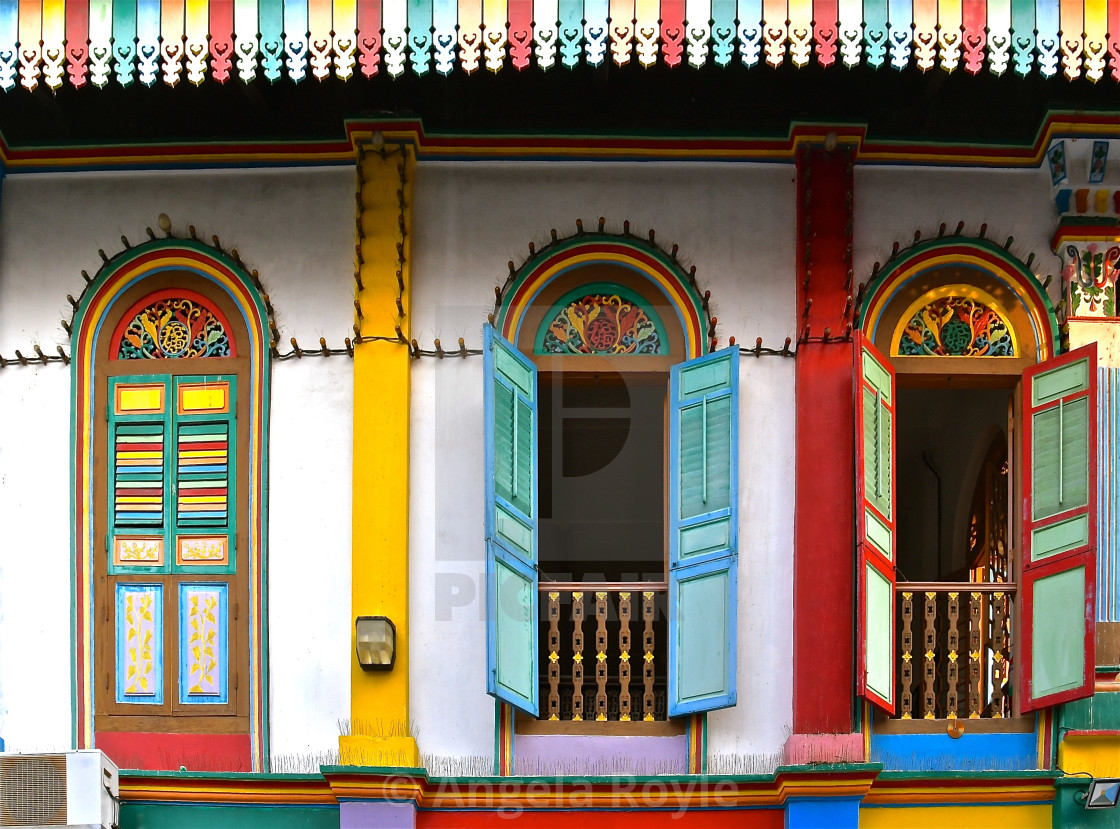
[150,41]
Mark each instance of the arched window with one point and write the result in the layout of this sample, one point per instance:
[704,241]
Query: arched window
[612,492]
[170,388]
[974,442]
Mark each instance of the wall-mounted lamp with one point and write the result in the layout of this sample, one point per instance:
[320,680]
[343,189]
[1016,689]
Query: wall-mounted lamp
[376,638]
[1104,793]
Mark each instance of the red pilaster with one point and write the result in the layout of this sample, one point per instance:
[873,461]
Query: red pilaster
[823,519]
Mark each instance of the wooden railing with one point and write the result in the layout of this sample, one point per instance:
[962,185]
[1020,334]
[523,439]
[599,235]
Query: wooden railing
[955,644]
[603,649]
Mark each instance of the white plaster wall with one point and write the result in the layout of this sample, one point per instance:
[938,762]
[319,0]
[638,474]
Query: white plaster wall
[736,224]
[893,202]
[296,228]
[35,557]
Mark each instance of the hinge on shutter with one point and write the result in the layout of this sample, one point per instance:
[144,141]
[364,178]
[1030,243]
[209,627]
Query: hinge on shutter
[106,680]
[235,685]
[236,610]
[106,542]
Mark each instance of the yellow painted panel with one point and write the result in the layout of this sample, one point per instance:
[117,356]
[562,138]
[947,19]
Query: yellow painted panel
[940,817]
[203,398]
[1097,754]
[146,399]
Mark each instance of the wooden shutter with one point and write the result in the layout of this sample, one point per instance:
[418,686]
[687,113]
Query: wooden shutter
[875,525]
[205,447]
[703,532]
[1059,530]
[510,414]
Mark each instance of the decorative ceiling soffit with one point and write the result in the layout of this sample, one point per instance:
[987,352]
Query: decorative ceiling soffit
[150,41]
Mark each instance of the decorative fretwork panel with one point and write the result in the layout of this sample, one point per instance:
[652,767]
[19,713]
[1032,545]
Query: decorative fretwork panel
[956,326]
[955,649]
[625,684]
[602,322]
[173,328]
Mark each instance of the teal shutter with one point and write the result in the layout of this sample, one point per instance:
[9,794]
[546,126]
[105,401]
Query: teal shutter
[510,414]
[204,471]
[875,525]
[703,532]
[1059,529]
[139,417]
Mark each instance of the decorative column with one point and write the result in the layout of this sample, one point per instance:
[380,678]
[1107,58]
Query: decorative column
[380,733]
[823,587]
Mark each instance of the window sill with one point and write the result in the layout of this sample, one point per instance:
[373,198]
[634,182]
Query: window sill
[524,724]
[1003,725]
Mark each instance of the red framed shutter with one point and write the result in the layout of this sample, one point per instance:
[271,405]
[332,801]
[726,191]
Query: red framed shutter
[875,525]
[1059,530]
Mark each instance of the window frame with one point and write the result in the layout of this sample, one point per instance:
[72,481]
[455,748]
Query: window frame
[234,716]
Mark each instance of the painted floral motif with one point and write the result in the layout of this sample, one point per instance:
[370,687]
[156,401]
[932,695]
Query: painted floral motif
[1091,276]
[140,626]
[202,549]
[139,550]
[174,328]
[602,324]
[202,664]
[956,326]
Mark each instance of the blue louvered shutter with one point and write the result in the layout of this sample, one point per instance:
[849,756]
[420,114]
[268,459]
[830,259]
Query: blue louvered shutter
[703,532]
[510,414]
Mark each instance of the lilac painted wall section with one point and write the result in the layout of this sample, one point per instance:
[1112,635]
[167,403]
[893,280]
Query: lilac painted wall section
[568,754]
[365,814]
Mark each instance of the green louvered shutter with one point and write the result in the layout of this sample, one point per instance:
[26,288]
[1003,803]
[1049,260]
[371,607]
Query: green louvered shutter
[703,532]
[875,524]
[205,455]
[510,414]
[1059,530]
[139,415]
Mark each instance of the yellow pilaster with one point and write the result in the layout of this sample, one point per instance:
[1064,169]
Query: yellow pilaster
[380,730]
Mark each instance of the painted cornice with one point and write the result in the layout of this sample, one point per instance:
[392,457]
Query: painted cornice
[354,783]
[439,146]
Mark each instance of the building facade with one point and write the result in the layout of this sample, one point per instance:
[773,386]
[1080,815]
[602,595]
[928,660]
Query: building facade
[691,423]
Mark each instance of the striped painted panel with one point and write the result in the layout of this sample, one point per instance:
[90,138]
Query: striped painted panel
[138,475]
[1108,495]
[202,463]
[113,40]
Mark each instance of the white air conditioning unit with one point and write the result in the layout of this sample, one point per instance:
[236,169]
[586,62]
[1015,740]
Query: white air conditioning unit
[75,789]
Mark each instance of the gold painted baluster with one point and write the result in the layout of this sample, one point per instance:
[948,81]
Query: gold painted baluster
[999,649]
[554,656]
[647,668]
[974,622]
[577,656]
[952,670]
[624,657]
[906,703]
[601,657]
[929,695]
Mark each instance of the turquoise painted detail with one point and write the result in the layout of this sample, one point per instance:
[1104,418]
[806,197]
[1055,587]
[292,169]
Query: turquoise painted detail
[1058,627]
[703,532]
[1048,386]
[192,816]
[510,418]
[1060,537]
